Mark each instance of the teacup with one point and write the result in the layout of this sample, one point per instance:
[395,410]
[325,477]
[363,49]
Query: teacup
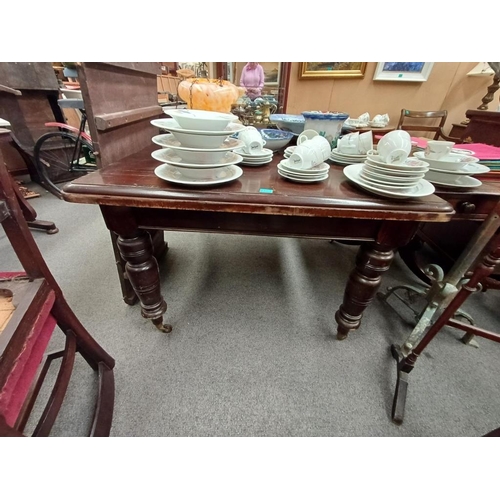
[395,146]
[310,153]
[306,135]
[436,150]
[252,140]
[349,143]
[365,142]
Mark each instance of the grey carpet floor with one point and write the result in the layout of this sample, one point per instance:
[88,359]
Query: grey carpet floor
[253,349]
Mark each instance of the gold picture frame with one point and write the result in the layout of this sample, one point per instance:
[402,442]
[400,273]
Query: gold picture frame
[317,70]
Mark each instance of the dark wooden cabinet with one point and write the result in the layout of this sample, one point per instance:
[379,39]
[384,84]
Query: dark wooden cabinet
[484,127]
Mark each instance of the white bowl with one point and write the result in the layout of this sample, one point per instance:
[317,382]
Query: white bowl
[199,139]
[203,157]
[197,119]
[451,161]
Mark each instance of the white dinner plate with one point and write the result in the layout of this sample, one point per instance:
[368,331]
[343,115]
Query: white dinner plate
[409,165]
[171,173]
[399,184]
[462,182]
[393,173]
[423,188]
[167,155]
[169,141]
[172,126]
[468,169]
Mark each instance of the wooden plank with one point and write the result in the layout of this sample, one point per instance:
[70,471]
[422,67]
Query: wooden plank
[153,68]
[4,88]
[28,75]
[109,121]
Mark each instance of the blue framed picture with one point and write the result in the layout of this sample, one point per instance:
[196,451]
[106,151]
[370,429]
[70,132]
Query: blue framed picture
[403,71]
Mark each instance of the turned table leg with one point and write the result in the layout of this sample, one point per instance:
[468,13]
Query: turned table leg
[136,255]
[144,275]
[372,261]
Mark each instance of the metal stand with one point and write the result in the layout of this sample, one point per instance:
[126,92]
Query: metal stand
[444,288]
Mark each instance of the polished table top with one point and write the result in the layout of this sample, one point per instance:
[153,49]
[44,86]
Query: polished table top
[132,182]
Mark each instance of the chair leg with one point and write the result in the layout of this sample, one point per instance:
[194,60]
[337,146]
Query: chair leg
[56,398]
[87,345]
[103,415]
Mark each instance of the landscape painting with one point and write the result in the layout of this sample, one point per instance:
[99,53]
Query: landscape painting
[332,70]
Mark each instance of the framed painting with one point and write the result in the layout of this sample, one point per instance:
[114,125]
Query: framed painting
[310,70]
[271,73]
[403,71]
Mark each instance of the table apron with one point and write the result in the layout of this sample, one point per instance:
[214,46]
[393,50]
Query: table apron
[258,224]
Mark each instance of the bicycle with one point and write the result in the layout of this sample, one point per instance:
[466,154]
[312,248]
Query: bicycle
[66,154]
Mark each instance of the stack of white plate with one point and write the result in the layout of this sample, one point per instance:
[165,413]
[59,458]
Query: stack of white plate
[402,180]
[255,160]
[314,174]
[453,170]
[289,151]
[201,151]
[345,159]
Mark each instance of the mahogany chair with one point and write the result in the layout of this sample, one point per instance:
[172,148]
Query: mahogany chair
[426,121]
[38,305]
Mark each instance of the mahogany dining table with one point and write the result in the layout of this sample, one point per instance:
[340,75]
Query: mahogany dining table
[134,202]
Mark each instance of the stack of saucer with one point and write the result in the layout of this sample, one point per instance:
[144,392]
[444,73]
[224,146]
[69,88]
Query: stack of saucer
[345,159]
[453,170]
[289,151]
[352,148]
[198,150]
[313,174]
[393,180]
[263,157]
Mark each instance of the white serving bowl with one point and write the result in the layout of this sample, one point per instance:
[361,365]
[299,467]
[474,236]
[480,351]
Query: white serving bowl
[451,161]
[198,141]
[201,157]
[198,119]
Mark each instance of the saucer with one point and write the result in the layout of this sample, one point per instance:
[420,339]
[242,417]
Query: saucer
[423,188]
[264,153]
[172,174]
[336,152]
[167,155]
[318,169]
[259,163]
[302,180]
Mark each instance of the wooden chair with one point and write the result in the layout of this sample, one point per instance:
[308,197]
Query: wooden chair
[120,100]
[425,121]
[39,305]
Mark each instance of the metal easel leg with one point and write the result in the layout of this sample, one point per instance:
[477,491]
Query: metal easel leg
[444,288]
